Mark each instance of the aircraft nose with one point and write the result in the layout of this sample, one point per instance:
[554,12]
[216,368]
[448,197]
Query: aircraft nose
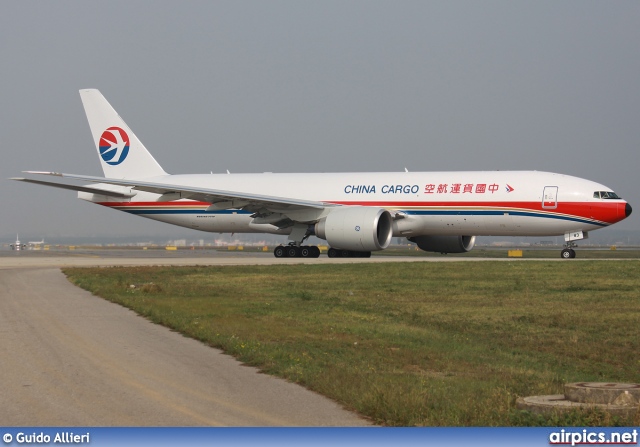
[627,210]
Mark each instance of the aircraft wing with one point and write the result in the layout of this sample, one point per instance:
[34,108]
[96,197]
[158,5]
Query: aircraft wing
[295,209]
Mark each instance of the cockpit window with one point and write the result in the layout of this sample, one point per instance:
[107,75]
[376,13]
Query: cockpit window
[605,195]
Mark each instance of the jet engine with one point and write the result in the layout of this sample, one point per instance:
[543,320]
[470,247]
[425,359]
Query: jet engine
[356,228]
[445,244]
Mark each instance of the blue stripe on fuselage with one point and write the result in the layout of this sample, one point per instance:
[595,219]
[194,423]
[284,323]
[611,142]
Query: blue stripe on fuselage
[501,213]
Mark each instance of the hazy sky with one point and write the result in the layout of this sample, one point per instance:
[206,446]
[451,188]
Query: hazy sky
[316,86]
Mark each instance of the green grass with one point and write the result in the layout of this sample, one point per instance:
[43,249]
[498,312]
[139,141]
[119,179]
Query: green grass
[527,252]
[407,344]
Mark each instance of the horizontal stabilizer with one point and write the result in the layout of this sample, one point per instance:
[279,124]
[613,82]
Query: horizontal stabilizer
[89,189]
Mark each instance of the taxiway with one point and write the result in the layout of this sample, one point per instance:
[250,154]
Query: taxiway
[72,359]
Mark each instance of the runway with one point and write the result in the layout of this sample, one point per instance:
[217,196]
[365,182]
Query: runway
[107,258]
[72,359]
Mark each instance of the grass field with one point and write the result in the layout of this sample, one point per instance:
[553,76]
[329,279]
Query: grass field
[408,344]
[528,252]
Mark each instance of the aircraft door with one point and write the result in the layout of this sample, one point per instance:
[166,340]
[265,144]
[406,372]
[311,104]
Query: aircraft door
[550,198]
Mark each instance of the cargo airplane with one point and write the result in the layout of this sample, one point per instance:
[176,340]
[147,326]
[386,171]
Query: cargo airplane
[18,245]
[356,213]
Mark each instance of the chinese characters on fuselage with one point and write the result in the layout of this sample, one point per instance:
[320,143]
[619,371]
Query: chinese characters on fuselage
[429,188]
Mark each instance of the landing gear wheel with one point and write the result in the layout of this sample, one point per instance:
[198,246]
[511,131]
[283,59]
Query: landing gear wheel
[332,253]
[315,252]
[293,252]
[279,252]
[568,253]
[305,252]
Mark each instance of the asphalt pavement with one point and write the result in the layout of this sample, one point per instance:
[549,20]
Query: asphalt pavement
[71,359]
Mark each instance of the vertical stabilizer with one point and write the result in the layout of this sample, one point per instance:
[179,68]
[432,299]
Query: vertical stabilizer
[122,154]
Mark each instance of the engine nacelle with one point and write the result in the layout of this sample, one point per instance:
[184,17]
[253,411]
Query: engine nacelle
[357,228]
[445,244]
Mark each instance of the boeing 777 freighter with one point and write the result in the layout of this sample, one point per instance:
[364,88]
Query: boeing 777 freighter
[356,213]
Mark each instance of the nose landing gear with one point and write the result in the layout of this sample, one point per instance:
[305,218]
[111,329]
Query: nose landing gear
[568,253]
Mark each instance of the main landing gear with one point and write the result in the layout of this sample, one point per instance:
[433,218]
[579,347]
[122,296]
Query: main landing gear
[335,253]
[294,251]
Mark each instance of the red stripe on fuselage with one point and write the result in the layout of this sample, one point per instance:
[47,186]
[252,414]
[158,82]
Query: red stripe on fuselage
[609,212]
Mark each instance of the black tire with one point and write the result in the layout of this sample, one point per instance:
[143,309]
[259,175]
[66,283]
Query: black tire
[573,253]
[315,252]
[279,252]
[332,253]
[305,252]
[566,253]
[293,252]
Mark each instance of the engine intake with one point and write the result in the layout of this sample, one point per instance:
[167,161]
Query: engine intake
[357,228]
[445,244]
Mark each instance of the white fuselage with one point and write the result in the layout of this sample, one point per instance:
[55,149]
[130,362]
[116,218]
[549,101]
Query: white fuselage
[524,203]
